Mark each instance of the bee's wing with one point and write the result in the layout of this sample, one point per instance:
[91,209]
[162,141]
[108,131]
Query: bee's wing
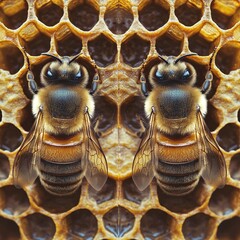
[142,169]
[94,160]
[28,156]
[214,165]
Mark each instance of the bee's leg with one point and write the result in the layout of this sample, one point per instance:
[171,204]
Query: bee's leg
[143,85]
[32,85]
[94,83]
[207,85]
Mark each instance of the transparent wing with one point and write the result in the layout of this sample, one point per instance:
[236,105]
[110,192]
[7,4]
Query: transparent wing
[28,156]
[142,169]
[214,165]
[94,160]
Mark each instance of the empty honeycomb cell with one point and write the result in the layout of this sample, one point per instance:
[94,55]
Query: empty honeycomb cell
[49,13]
[199,226]
[224,201]
[83,15]
[235,166]
[10,137]
[200,45]
[105,194]
[212,117]
[132,193]
[34,41]
[118,221]
[9,229]
[118,20]
[153,15]
[228,137]
[13,13]
[82,224]
[27,119]
[168,45]
[38,226]
[225,13]
[69,44]
[135,50]
[4,167]
[133,115]
[11,58]
[186,203]
[102,50]
[156,224]
[105,115]
[52,203]
[13,201]
[228,57]
[188,12]
[229,229]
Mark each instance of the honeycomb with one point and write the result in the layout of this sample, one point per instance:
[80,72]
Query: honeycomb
[119,36]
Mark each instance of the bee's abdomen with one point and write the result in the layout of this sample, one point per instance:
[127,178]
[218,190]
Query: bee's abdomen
[59,178]
[178,179]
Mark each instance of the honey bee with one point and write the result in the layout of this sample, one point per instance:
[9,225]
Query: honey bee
[177,148]
[61,148]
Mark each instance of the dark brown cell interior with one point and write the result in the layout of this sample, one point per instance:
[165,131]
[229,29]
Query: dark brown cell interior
[229,137]
[227,58]
[200,45]
[133,115]
[153,16]
[105,194]
[105,115]
[118,20]
[50,14]
[238,115]
[235,167]
[224,201]
[131,192]
[167,45]
[186,203]
[188,14]
[83,16]
[212,117]
[0,115]
[82,224]
[69,46]
[9,229]
[198,227]
[10,137]
[16,20]
[4,167]
[102,50]
[118,221]
[13,201]
[156,224]
[38,45]
[52,203]
[37,226]
[11,58]
[229,229]
[27,119]
[135,50]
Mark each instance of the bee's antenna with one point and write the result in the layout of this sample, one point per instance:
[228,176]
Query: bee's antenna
[53,56]
[28,62]
[162,58]
[186,55]
[75,57]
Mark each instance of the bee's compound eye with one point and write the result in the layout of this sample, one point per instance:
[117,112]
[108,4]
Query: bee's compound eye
[186,74]
[49,73]
[79,74]
[159,75]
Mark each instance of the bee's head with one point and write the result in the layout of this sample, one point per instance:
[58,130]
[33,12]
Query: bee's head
[64,70]
[173,70]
